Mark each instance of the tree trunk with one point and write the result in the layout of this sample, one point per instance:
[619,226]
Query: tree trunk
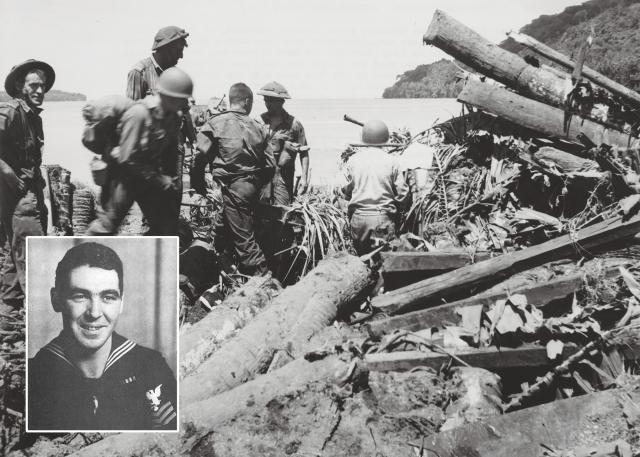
[539,117]
[489,59]
[201,418]
[599,79]
[464,281]
[334,283]
[199,341]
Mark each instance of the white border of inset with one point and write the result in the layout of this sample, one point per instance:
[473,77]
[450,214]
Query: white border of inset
[177,315]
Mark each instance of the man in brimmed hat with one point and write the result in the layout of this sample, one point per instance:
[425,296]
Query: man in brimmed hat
[166,50]
[22,208]
[287,139]
[375,187]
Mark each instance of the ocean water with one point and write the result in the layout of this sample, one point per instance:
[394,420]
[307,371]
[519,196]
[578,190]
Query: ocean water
[327,132]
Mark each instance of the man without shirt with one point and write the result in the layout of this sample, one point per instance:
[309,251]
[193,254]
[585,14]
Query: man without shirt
[89,377]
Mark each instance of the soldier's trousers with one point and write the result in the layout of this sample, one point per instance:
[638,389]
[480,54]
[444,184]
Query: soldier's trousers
[27,218]
[365,227]
[159,209]
[240,198]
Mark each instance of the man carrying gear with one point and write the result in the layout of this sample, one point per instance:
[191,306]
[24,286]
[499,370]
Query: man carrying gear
[237,147]
[287,139]
[143,163]
[22,209]
[375,187]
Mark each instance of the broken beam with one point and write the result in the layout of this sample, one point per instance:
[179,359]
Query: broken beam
[455,284]
[538,295]
[557,57]
[396,262]
[562,424]
[490,358]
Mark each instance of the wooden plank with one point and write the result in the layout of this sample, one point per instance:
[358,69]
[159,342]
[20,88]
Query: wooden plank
[462,282]
[403,261]
[563,424]
[540,117]
[490,358]
[539,294]
[472,49]
[601,80]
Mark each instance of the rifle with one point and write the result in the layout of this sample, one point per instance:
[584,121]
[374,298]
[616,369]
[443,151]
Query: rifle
[352,120]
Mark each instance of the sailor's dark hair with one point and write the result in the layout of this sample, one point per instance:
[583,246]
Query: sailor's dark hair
[87,254]
[238,92]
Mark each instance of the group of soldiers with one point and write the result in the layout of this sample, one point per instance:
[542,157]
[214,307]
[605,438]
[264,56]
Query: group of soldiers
[252,159]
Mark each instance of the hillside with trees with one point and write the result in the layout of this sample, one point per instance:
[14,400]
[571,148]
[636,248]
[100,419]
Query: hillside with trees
[435,80]
[615,24]
[52,96]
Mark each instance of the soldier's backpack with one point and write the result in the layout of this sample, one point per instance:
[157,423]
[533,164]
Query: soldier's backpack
[100,134]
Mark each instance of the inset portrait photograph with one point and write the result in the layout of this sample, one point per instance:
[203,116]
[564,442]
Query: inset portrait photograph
[102,318]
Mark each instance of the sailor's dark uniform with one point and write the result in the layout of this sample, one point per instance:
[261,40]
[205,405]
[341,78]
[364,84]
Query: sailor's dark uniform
[137,391]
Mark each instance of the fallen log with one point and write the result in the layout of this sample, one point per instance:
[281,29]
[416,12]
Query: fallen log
[490,358]
[564,424]
[601,80]
[539,117]
[334,283]
[199,341]
[470,48]
[200,419]
[466,280]
[133,444]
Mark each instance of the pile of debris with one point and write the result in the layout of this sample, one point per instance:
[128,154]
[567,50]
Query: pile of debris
[507,324]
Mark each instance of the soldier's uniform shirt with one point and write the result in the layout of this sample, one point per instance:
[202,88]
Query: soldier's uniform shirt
[282,181]
[376,188]
[142,79]
[21,213]
[237,145]
[123,398]
[237,148]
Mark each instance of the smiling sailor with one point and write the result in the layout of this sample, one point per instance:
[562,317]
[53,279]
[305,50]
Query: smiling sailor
[89,377]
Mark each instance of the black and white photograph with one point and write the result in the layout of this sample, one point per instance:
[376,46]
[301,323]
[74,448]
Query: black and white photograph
[102,334]
[401,228]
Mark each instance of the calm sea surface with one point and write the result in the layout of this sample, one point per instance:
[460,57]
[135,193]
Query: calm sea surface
[327,133]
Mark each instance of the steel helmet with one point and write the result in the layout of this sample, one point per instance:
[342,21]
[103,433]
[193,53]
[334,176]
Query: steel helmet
[174,82]
[274,89]
[375,132]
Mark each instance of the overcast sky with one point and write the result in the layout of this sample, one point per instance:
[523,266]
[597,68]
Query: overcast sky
[316,48]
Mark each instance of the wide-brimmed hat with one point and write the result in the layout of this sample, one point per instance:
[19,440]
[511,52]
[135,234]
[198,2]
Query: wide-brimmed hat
[274,89]
[20,70]
[168,35]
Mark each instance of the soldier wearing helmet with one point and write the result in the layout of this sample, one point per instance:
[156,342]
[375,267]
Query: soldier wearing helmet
[287,139]
[375,187]
[145,160]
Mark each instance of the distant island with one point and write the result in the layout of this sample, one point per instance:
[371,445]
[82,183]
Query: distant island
[614,51]
[53,96]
